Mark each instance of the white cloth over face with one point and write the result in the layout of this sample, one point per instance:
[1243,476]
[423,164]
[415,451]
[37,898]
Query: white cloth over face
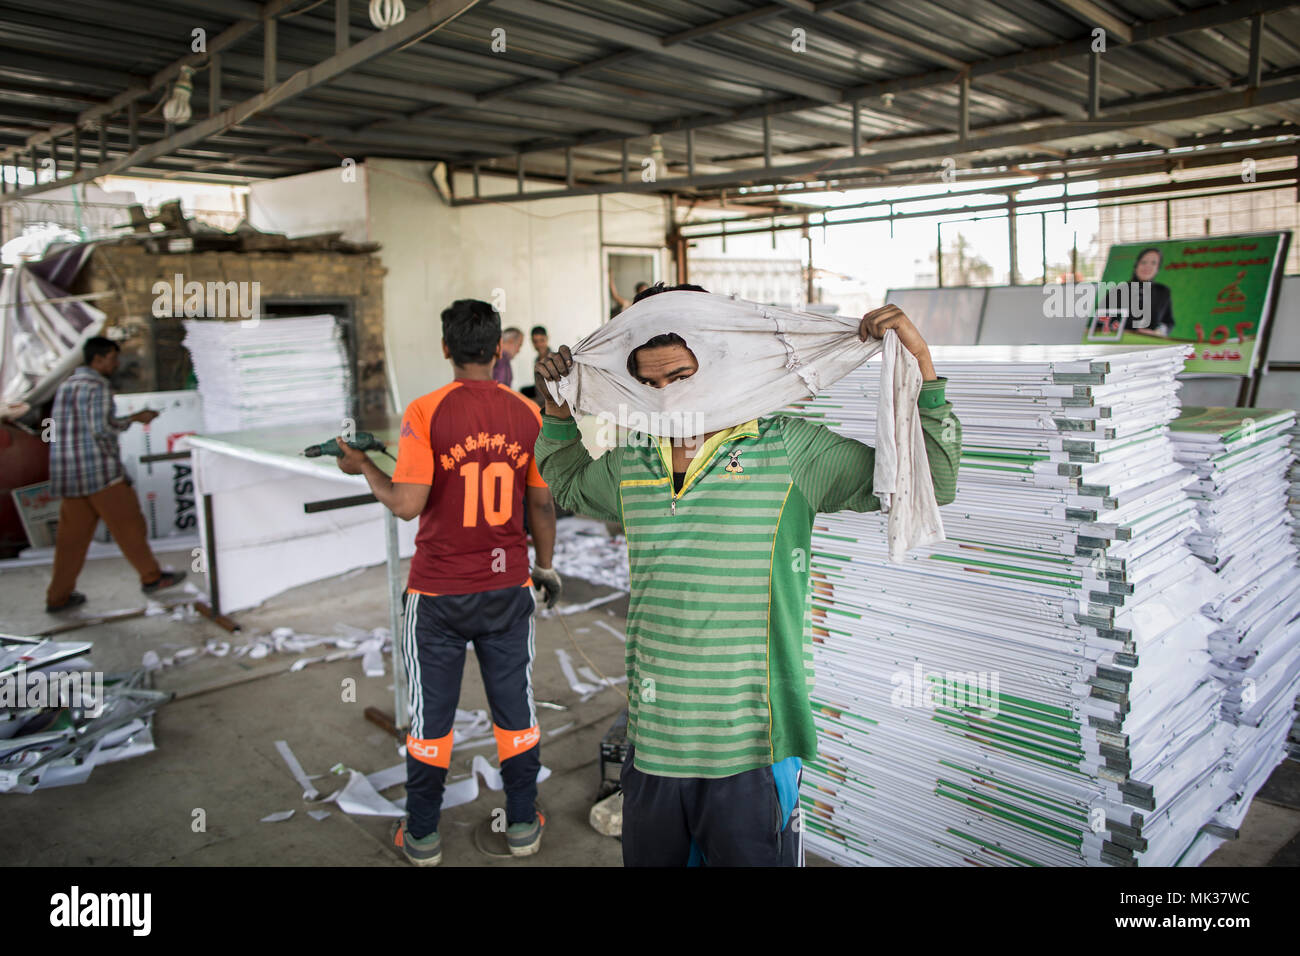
[753,360]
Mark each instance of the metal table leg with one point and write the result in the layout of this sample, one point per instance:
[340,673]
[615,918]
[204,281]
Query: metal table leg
[402,718]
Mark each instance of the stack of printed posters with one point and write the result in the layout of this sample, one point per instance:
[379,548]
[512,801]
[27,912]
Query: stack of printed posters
[1293,490]
[270,371]
[1242,461]
[1033,690]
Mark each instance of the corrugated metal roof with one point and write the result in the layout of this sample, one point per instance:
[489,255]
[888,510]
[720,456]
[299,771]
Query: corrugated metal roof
[584,75]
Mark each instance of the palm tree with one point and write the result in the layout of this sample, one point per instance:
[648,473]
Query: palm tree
[962,265]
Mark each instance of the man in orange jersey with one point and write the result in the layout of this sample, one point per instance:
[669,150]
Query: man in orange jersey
[465,466]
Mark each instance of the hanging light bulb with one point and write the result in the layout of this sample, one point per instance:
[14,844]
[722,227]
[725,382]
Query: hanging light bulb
[177,108]
[386,13]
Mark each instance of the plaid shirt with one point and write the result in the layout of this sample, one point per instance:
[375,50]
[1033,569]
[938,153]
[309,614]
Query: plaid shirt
[84,456]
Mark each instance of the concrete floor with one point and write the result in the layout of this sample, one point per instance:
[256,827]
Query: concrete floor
[216,741]
[216,744]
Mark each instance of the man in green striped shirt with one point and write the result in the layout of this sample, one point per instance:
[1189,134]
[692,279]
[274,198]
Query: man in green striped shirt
[719,653]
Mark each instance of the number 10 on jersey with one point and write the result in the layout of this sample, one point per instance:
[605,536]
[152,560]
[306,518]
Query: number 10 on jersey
[498,481]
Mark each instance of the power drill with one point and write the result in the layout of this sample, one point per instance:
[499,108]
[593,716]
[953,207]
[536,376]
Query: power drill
[362,441]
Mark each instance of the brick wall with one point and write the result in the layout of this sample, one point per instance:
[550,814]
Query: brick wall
[153,358]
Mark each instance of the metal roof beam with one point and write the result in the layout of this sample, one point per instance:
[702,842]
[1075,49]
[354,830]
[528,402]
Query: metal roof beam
[450,100]
[1190,63]
[221,41]
[827,10]
[1202,19]
[807,6]
[417,25]
[622,56]
[1197,107]
[1152,135]
[1043,171]
[1093,15]
[764,77]
[1195,189]
[1047,176]
[757,15]
[1035,95]
[28,67]
[936,132]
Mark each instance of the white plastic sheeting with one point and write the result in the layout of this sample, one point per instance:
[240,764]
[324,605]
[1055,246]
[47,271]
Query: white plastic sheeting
[262,541]
[41,327]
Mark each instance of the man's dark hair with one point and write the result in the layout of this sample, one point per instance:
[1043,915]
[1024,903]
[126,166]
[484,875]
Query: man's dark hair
[659,341]
[667,338]
[538,330]
[92,348]
[641,286]
[471,329]
[660,287]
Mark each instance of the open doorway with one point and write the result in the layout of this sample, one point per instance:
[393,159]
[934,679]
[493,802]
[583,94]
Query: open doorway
[629,270]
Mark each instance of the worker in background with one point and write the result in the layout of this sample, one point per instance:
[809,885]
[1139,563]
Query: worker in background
[541,341]
[541,345]
[86,472]
[465,467]
[621,303]
[718,658]
[512,340]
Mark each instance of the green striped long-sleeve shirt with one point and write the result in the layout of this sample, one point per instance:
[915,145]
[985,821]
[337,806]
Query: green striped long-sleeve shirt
[719,648]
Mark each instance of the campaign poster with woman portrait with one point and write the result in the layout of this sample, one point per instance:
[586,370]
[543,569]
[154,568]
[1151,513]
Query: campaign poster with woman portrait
[1216,293]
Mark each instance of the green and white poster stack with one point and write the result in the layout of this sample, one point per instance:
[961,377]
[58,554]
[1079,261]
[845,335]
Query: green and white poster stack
[1242,459]
[1037,689]
[1293,496]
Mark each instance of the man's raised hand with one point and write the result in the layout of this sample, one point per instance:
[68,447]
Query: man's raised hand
[877,322]
[554,367]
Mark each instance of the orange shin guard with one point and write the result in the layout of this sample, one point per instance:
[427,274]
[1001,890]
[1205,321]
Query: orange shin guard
[436,753]
[511,743]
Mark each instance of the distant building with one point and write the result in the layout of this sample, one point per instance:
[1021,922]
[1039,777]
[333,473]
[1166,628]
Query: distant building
[768,280]
[1267,210]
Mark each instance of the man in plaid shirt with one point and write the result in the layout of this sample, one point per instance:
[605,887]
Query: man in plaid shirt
[86,472]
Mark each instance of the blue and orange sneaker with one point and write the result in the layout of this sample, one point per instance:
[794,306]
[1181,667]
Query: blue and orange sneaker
[525,839]
[422,851]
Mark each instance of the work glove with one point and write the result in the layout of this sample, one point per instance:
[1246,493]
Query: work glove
[548,580]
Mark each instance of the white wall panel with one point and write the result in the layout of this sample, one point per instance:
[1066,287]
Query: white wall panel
[1017,315]
[944,316]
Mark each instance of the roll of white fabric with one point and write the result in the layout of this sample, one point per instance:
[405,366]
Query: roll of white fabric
[902,479]
[753,360]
